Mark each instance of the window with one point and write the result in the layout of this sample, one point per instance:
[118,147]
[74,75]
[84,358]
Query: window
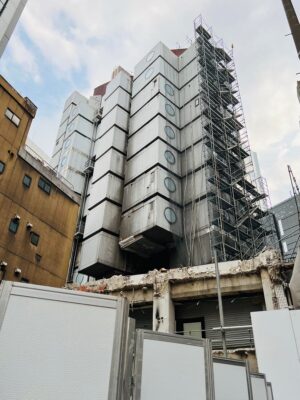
[67,143]
[149,73]
[169,156]
[170,215]
[63,161]
[14,225]
[34,238]
[169,109]
[44,185]
[27,181]
[169,132]
[12,117]
[170,184]
[169,90]
[150,56]
[2,167]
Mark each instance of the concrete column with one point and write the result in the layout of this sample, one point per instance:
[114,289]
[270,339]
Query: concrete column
[163,309]
[267,289]
[280,296]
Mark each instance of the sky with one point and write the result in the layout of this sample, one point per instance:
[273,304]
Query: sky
[62,46]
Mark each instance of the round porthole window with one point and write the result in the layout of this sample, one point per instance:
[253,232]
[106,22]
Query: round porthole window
[170,215]
[71,127]
[169,131]
[67,143]
[150,56]
[169,90]
[170,184]
[149,73]
[170,109]
[169,156]
[63,161]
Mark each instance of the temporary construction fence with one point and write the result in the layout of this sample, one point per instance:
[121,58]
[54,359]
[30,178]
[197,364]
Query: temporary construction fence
[61,344]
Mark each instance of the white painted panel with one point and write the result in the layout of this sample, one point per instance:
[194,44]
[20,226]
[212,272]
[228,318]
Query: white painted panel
[191,134]
[155,128]
[76,179]
[188,73]
[193,158]
[109,186]
[102,248]
[158,66]
[87,111]
[149,184]
[172,371]
[295,321]
[81,125]
[158,84]
[121,79]
[270,392]
[193,186]
[105,215]
[159,49]
[115,137]
[120,97]
[38,359]
[189,91]
[187,56]
[277,354]
[148,215]
[157,105]
[230,381]
[151,155]
[196,217]
[259,388]
[76,160]
[189,112]
[111,161]
[117,116]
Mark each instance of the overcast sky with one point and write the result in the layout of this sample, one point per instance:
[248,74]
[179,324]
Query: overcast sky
[62,46]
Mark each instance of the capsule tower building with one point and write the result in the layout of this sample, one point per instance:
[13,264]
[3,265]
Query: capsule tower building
[167,178]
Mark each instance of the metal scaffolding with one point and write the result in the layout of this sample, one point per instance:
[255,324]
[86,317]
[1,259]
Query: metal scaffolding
[237,211]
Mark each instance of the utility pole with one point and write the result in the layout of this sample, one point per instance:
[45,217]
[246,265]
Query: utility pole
[220,302]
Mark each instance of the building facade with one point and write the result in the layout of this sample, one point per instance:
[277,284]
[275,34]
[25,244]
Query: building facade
[38,212]
[169,166]
[10,12]
[286,217]
[184,300]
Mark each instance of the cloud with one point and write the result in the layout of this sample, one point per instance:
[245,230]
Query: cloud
[20,54]
[79,42]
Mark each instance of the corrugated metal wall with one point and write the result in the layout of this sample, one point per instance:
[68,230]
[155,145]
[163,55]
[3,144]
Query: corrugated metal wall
[236,313]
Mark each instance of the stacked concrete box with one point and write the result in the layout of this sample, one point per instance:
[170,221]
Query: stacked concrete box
[100,246]
[152,214]
[10,12]
[74,140]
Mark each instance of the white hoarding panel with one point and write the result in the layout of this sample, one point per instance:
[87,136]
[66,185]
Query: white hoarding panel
[275,335]
[270,391]
[171,367]
[259,387]
[59,344]
[231,380]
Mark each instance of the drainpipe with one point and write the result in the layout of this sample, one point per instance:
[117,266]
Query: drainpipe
[88,173]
